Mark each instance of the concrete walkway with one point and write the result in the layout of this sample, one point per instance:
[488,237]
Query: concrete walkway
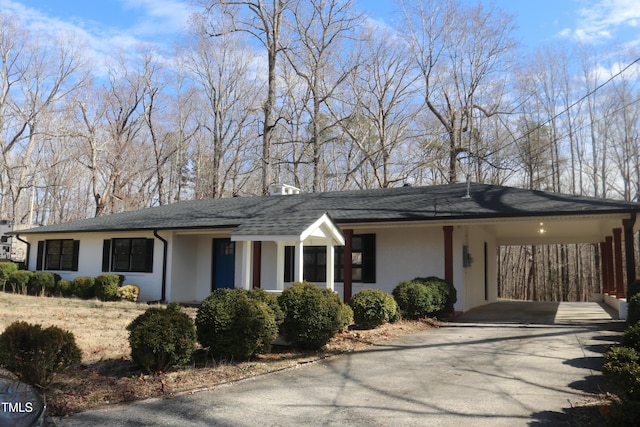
[509,371]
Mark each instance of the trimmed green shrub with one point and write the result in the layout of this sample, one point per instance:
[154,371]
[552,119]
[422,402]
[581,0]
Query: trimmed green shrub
[631,338]
[345,317]
[35,355]
[106,287]
[162,338]
[83,287]
[373,308]
[65,287]
[234,325]
[6,268]
[312,315]
[621,364]
[19,280]
[416,300]
[41,283]
[447,290]
[270,300]
[633,310]
[129,293]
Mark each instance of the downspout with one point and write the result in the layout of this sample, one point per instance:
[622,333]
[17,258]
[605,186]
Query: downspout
[165,244]
[26,260]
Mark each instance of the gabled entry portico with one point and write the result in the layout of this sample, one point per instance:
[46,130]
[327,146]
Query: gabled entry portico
[297,231]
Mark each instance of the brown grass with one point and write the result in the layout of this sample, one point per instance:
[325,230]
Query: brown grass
[107,374]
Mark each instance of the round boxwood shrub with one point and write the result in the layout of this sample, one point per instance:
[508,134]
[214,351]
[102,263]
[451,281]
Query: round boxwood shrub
[6,268]
[447,292]
[106,287]
[162,338]
[234,325]
[65,287]
[312,315]
[41,282]
[19,281]
[373,307]
[270,300]
[83,287]
[128,293]
[415,300]
[633,288]
[35,354]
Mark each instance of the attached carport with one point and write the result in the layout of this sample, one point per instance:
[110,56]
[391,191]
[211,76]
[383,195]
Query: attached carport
[611,231]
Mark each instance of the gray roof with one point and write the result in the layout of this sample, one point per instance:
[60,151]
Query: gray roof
[438,202]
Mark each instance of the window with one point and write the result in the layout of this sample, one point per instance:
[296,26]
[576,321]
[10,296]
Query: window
[363,261]
[315,263]
[61,254]
[133,255]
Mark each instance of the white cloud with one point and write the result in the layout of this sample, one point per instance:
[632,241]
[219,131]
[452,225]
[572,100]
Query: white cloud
[600,20]
[157,22]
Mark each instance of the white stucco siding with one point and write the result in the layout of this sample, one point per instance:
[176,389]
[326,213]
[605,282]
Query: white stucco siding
[90,259]
[404,253]
[473,275]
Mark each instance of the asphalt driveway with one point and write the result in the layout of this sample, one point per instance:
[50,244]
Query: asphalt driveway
[489,368]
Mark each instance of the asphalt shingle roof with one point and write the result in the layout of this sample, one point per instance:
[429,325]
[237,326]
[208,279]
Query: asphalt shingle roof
[436,202]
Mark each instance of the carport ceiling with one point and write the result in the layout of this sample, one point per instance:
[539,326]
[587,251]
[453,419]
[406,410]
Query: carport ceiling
[556,229]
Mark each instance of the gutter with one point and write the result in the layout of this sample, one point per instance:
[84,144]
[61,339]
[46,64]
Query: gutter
[163,296]
[26,259]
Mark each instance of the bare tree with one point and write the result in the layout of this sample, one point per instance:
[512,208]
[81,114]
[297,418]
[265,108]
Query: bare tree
[320,29]
[262,19]
[462,55]
[36,74]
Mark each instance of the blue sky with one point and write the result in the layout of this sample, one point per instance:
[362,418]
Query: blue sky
[120,24]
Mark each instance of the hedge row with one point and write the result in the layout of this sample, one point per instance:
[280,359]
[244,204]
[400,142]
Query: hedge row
[106,287]
[622,365]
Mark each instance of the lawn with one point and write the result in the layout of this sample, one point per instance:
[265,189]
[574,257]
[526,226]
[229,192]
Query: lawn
[107,375]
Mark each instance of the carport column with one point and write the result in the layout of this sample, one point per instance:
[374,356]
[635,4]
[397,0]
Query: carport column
[617,243]
[629,252]
[347,275]
[603,268]
[608,259]
[448,253]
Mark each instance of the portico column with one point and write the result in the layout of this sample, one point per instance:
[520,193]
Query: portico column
[330,260]
[298,274]
[245,264]
[280,266]
[448,253]
[347,276]
[617,243]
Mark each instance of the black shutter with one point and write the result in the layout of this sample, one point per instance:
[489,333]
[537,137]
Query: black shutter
[40,258]
[148,263]
[106,254]
[369,258]
[76,253]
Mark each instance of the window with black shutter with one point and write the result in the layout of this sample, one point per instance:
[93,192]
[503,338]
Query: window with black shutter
[58,255]
[128,255]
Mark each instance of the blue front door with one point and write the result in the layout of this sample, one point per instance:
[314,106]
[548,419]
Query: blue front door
[224,260]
